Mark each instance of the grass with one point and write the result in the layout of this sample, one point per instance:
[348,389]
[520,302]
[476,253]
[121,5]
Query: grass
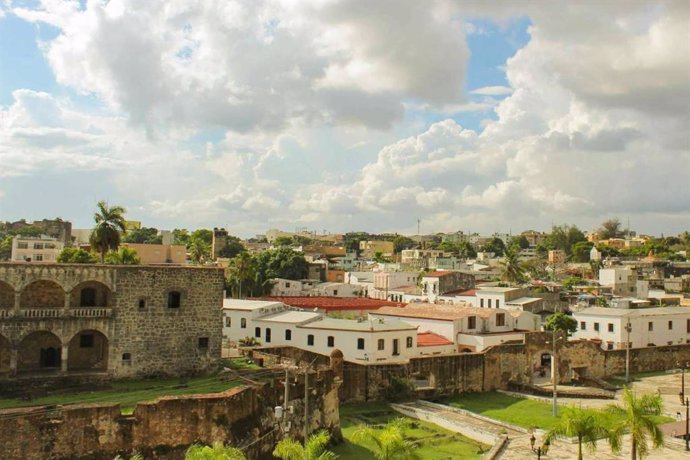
[619,380]
[527,413]
[239,363]
[434,442]
[129,392]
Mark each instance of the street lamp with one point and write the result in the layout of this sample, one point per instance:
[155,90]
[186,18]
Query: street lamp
[554,371]
[687,422]
[628,328]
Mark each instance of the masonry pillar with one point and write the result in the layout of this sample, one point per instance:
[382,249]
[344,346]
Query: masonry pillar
[68,298]
[13,361]
[64,355]
[17,300]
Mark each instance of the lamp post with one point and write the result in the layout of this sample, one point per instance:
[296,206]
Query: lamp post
[686,403]
[554,369]
[628,328]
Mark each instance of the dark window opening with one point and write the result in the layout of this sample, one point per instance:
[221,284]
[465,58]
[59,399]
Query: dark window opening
[257,332]
[86,341]
[331,341]
[88,297]
[268,334]
[288,334]
[360,344]
[142,304]
[410,342]
[381,344]
[243,323]
[310,339]
[174,299]
[202,342]
[126,356]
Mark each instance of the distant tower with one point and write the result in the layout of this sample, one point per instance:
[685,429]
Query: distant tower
[220,238]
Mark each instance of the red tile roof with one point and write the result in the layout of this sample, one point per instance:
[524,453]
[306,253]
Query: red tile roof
[462,292]
[335,303]
[429,339]
[436,274]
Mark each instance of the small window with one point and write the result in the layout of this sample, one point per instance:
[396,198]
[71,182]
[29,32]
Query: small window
[330,341]
[310,340]
[670,325]
[381,344]
[287,285]
[650,326]
[243,323]
[498,302]
[288,334]
[142,304]
[174,298]
[257,332]
[126,357]
[360,344]
[228,321]
[609,346]
[596,327]
[38,257]
[410,342]
[268,334]
[610,327]
[202,342]
[583,326]
[472,322]
[501,319]
[22,245]
[86,341]
[335,292]
[481,303]
[38,245]
[489,301]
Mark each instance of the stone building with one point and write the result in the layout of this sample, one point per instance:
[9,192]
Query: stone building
[55,228]
[122,321]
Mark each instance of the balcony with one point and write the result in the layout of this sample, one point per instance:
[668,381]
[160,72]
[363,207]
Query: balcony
[56,313]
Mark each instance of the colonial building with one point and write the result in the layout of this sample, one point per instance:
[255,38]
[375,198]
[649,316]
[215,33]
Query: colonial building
[124,321]
[36,249]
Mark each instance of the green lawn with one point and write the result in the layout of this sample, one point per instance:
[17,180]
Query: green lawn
[434,442]
[240,363]
[527,413]
[130,392]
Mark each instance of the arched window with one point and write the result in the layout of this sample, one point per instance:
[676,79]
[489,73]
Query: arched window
[288,334]
[174,299]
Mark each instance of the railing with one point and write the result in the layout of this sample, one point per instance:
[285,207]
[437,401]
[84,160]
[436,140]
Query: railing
[55,313]
[41,313]
[6,313]
[91,312]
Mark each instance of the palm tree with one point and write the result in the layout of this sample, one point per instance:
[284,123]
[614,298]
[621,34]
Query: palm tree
[636,418]
[389,441]
[216,452]
[199,250]
[241,271]
[314,448]
[585,424]
[512,268]
[109,223]
[124,256]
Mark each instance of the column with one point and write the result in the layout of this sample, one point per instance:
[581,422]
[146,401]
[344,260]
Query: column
[17,300]
[68,298]
[13,361]
[64,355]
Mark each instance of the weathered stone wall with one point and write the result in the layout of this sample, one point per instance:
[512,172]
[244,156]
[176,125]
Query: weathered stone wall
[42,294]
[163,429]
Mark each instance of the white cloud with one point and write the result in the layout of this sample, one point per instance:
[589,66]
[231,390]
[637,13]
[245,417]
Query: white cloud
[492,91]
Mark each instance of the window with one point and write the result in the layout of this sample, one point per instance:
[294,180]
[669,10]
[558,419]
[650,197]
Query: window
[126,357]
[22,245]
[174,298]
[670,325]
[330,341]
[202,342]
[257,332]
[583,326]
[609,346]
[142,304]
[335,292]
[481,303]
[310,340]
[49,246]
[38,245]
[610,327]
[360,344]
[287,285]
[501,319]
[86,341]
[687,326]
[268,334]
[38,257]
[472,322]
[396,350]
[228,321]
[498,302]
[489,303]
[596,327]
[410,342]
[87,297]
[288,334]
[381,344]
[243,323]
[650,326]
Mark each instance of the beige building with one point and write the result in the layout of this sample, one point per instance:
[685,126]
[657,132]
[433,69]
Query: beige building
[556,256]
[154,254]
[35,249]
[370,248]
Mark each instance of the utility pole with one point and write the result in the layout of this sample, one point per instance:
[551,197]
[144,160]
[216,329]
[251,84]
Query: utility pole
[554,367]
[628,328]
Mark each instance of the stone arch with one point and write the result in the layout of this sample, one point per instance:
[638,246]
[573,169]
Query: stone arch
[5,353]
[39,350]
[542,368]
[90,294]
[88,350]
[42,294]
[466,350]
[6,296]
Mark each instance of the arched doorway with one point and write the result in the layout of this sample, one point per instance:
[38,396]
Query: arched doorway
[6,296]
[42,294]
[542,369]
[5,353]
[39,350]
[90,294]
[88,350]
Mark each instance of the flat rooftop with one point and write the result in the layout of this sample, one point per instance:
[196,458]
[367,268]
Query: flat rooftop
[438,312]
[362,326]
[248,305]
[334,303]
[633,312]
[290,316]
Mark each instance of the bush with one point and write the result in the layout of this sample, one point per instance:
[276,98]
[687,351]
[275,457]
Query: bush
[400,389]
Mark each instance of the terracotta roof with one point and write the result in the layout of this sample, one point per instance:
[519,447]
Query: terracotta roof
[440,312]
[466,293]
[335,303]
[429,339]
[436,274]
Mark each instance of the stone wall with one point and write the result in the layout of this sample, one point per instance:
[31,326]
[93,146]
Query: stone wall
[163,429]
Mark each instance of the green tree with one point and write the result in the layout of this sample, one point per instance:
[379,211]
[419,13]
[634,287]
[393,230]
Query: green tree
[495,245]
[6,247]
[401,242]
[636,417]
[561,322]
[110,222]
[283,241]
[180,236]
[30,230]
[571,281]
[233,247]
[279,263]
[314,448]
[242,273]
[610,228]
[144,235]
[562,237]
[202,234]
[536,268]
[216,452]
[580,251]
[586,425]
[512,270]
[389,442]
[199,250]
[76,256]
[123,256]
[521,241]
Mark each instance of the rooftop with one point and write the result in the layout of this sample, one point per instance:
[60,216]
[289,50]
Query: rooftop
[436,274]
[523,301]
[355,325]
[290,316]
[430,339]
[633,313]
[334,303]
[440,312]
[248,305]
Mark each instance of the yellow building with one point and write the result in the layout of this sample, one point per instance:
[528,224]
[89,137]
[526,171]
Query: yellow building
[154,254]
[132,225]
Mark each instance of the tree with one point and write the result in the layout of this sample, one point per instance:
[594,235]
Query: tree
[180,236]
[241,272]
[199,250]
[6,247]
[401,242]
[216,452]
[279,263]
[76,256]
[586,425]
[313,449]
[233,246]
[110,222]
[571,281]
[636,417]
[521,241]
[144,235]
[561,322]
[536,268]
[283,241]
[610,228]
[389,441]
[123,256]
[562,237]
[512,269]
[30,230]
[495,245]
[202,234]
[580,251]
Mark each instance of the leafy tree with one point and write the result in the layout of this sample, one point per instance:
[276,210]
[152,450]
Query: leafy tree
[283,241]
[636,417]
[6,247]
[216,452]
[521,241]
[279,263]
[400,389]
[610,228]
[144,235]
[180,236]
[202,234]
[299,240]
[512,268]
[30,230]
[580,251]
[561,322]
[233,246]
[378,257]
[401,242]
[563,237]
[76,256]
[495,245]
[571,281]
[199,250]
[608,251]
[536,268]
[123,256]
[586,425]
[242,273]
[110,222]
[313,449]
[389,442]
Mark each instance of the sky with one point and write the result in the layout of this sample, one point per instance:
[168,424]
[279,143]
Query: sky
[347,115]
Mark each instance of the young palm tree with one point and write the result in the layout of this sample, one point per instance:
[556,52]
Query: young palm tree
[124,256]
[242,271]
[314,449]
[512,268]
[636,419]
[216,452]
[389,441]
[199,250]
[110,221]
[584,424]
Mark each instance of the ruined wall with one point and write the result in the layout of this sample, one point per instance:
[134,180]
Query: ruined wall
[163,429]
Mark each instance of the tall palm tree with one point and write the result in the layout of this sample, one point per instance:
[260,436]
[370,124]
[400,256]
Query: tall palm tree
[110,222]
[242,271]
[216,452]
[513,272]
[585,424]
[313,449]
[635,417]
[389,441]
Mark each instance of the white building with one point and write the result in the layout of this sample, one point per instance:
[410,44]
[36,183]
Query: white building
[273,324]
[384,282]
[36,249]
[363,279]
[648,326]
[500,297]
[621,280]
[291,288]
